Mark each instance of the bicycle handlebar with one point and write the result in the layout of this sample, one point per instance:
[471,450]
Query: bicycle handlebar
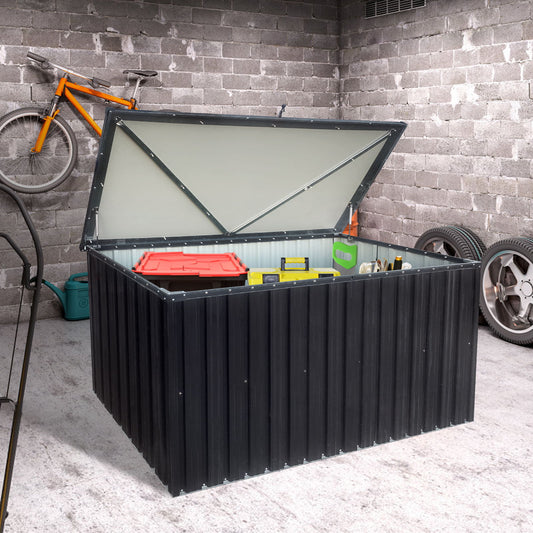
[45,63]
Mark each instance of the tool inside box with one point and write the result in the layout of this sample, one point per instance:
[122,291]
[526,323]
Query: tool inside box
[180,271]
[193,283]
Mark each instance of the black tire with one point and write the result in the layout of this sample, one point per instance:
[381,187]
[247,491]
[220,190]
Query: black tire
[27,172]
[475,241]
[453,241]
[507,289]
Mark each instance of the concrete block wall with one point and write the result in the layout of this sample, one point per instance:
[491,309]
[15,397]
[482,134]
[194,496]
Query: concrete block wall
[461,75]
[216,56]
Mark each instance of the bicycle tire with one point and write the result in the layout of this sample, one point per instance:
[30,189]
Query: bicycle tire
[27,172]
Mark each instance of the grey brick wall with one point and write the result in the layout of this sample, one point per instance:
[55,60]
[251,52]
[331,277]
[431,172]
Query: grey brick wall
[218,56]
[460,74]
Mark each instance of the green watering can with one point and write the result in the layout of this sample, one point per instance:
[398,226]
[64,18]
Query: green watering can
[75,297]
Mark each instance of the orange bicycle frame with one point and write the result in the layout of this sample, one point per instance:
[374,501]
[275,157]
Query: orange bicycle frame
[63,90]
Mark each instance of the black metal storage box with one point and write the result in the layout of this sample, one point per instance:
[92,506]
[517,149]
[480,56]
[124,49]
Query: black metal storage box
[220,384]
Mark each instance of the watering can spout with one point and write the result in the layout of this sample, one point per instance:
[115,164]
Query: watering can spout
[59,293]
[75,298]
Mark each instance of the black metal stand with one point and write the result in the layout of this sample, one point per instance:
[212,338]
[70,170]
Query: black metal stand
[33,285]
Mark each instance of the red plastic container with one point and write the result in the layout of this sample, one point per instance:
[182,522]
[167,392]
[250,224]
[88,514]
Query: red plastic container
[181,271]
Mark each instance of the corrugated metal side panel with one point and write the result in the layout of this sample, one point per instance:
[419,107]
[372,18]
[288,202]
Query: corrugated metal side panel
[466,352]
[157,363]
[217,405]
[130,384]
[298,348]
[214,389]
[283,377]
[128,358]
[173,384]
[259,372]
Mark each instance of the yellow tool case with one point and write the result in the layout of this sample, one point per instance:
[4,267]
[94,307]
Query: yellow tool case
[257,276]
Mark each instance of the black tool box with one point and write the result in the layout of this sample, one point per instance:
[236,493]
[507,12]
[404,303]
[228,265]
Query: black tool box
[219,384]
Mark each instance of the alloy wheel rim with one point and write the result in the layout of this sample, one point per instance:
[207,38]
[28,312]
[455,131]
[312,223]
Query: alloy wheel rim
[508,291]
[439,246]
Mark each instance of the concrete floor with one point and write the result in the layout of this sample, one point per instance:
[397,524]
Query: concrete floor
[76,471]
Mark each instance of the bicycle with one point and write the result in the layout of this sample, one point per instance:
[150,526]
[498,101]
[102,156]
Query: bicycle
[38,149]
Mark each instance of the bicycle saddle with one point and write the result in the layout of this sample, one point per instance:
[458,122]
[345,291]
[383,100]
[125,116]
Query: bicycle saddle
[147,73]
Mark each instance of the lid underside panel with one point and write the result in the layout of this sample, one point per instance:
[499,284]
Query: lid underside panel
[237,173]
[315,207]
[172,175]
[139,200]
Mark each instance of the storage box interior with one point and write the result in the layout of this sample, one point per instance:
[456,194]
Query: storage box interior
[268,253]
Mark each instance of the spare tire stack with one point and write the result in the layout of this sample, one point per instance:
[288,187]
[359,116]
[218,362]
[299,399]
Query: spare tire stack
[506,298]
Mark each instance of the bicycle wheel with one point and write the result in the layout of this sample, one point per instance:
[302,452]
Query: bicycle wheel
[27,172]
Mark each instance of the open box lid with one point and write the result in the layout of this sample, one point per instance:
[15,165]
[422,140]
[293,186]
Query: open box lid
[175,177]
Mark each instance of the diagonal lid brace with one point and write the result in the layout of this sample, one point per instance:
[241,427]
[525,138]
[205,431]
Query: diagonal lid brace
[313,182]
[146,149]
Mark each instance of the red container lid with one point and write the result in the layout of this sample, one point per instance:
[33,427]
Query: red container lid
[182,264]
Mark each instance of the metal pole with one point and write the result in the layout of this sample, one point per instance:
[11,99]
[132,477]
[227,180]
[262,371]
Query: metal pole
[17,415]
